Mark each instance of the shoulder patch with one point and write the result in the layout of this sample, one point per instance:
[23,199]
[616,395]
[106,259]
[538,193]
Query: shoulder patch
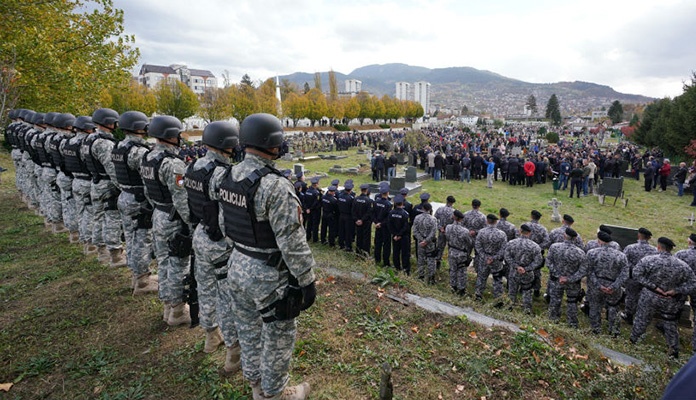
[179,180]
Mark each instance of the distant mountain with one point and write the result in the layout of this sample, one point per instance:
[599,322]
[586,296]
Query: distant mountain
[479,90]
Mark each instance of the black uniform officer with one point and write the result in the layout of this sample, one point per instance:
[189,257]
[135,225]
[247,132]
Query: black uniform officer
[329,216]
[400,232]
[345,218]
[381,210]
[312,199]
[362,219]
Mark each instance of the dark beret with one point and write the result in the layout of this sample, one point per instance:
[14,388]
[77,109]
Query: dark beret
[298,184]
[348,185]
[451,199]
[645,232]
[492,217]
[383,189]
[286,173]
[504,212]
[571,232]
[536,214]
[458,214]
[692,237]
[667,242]
[604,228]
[331,188]
[525,228]
[604,237]
[314,179]
[568,218]
[335,182]
[299,175]
[476,203]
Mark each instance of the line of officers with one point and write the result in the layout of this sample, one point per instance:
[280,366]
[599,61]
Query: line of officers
[648,279]
[241,224]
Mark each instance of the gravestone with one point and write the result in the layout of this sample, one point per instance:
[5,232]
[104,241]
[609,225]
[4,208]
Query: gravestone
[401,158]
[612,187]
[411,174]
[287,157]
[555,216]
[396,183]
[298,169]
[411,159]
[623,235]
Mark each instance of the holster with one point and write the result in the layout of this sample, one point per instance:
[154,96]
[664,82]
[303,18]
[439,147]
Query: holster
[111,203]
[144,218]
[182,243]
[210,221]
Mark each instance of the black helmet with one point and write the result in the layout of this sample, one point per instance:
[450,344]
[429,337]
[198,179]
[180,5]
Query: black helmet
[64,121]
[105,117]
[132,121]
[38,119]
[13,113]
[263,131]
[165,127]
[221,135]
[48,119]
[84,123]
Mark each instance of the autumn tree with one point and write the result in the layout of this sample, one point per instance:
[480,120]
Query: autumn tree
[333,87]
[553,110]
[287,87]
[216,104]
[317,80]
[367,106]
[351,109]
[266,100]
[317,105]
[128,97]
[64,53]
[176,99]
[296,107]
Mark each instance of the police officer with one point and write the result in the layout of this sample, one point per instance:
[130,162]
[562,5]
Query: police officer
[212,251]
[30,160]
[591,244]
[96,152]
[270,271]
[567,266]
[346,225]
[381,209]
[490,247]
[136,212]
[459,243]
[82,180]
[634,253]
[313,209]
[425,235]
[362,218]
[689,257]
[399,231]
[667,281]
[424,198]
[474,220]
[540,236]
[63,127]
[329,216]
[505,225]
[408,206]
[162,171]
[607,270]
[558,235]
[49,198]
[523,257]
[444,218]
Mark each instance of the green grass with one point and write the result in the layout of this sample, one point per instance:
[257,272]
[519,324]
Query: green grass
[69,327]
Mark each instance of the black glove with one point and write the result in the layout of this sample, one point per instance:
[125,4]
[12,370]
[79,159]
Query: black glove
[309,294]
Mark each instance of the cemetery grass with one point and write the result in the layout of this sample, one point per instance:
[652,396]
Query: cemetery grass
[69,327]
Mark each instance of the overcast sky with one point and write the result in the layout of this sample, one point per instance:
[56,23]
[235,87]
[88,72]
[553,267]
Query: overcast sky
[638,46]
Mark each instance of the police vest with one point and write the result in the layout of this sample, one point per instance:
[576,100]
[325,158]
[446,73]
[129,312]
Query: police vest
[72,160]
[94,166]
[11,135]
[237,202]
[124,174]
[54,151]
[28,135]
[40,148]
[197,184]
[149,171]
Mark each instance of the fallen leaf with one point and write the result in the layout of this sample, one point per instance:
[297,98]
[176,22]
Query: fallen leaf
[572,350]
[428,335]
[460,388]
[576,384]
[331,279]
[483,397]
[359,334]
[439,396]
[610,369]
[465,344]
[581,357]
[379,295]
[377,310]
[5,387]
[379,289]
[543,333]
[302,352]
[473,335]
[437,325]
[559,341]
[351,291]
[487,347]
[639,389]
[454,368]
[414,329]
[328,295]
[536,357]
[497,353]
[345,320]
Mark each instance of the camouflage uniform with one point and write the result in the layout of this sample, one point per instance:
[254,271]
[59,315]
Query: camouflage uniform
[558,236]
[106,229]
[81,187]
[606,268]
[424,230]
[132,204]
[444,218]
[165,225]
[49,198]
[634,253]
[31,184]
[490,247]
[522,252]
[474,220]
[565,259]
[665,272]
[593,244]
[507,227]
[254,285]
[540,236]
[459,254]
[64,182]
[689,257]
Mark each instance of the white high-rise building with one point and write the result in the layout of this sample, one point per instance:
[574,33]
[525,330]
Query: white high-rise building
[402,90]
[421,94]
[353,86]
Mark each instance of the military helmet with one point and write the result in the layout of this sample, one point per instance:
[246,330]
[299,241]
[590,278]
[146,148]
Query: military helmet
[105,117]
[133,121]
[26,115]
[13,113]
[165,127]
[38,119]
[64,120]
[48,119]
[261,130]
[221,135]
[84,122]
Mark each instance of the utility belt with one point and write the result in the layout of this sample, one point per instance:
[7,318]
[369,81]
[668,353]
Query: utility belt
[101,177]
[134,190]
[167,208]
[81,176]
[271,259]
[46,165]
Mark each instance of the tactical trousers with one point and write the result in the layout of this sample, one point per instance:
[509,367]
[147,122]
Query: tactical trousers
[648,305]
[427,260]
[50,195]
[171,269]
[30,183]
[83,208]
[484,270]
[19,174]
[345,231]
[402,254]
[572,292]
[138,240]
[599,300]
[441,242]
[633,289]
[313,220]
[266,347]
[521,283]
[107,219]
[329,226]
[67,201]
[382,245]
[458,263]
[363,236]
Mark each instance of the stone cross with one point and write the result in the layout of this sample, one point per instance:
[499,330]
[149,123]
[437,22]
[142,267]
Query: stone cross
[556,216]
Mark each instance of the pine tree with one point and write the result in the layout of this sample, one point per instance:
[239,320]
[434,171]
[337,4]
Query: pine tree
[553,110]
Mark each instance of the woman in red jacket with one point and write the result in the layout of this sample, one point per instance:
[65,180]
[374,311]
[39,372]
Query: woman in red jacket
[529,168]
[664,171]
